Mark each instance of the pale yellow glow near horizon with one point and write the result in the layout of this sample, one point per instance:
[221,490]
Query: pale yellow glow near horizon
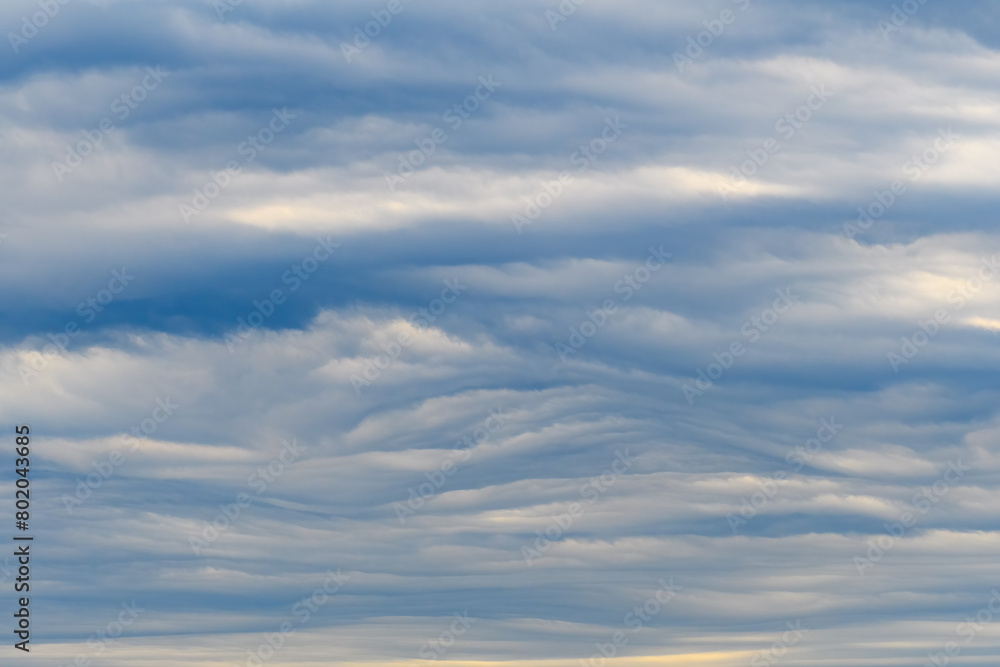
[983,323]
[711,659]
[489,197]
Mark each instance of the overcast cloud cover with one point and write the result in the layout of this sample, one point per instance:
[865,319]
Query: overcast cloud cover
[631,333]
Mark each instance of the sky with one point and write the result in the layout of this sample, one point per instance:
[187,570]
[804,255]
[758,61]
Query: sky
[524,333]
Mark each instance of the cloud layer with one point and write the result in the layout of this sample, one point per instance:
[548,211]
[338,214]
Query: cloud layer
[520,334]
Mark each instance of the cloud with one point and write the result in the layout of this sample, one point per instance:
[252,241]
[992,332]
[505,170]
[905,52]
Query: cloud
[388,387]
